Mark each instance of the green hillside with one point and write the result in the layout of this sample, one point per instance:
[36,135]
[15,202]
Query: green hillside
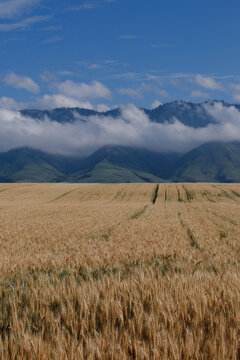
[106,172]
[108,164]
[211,162]
[29,165]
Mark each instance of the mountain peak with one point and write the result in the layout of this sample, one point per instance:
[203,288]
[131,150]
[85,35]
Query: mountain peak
[189,113]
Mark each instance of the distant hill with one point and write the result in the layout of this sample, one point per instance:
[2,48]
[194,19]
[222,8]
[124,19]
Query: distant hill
[118,163]
[211,162]
[29,165]
[108,164]
[132,158]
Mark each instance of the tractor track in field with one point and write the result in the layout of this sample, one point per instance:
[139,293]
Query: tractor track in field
[191,237]
[225,193]
[64,194]
[155,194]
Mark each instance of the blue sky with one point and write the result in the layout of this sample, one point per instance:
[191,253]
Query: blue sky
[104,53]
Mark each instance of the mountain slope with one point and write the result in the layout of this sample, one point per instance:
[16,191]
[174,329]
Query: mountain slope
[124,164]
[105,172]
[31,165]
[132,158]
[108,164]
[211,162]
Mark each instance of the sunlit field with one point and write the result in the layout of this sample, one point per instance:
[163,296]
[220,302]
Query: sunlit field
[126,271]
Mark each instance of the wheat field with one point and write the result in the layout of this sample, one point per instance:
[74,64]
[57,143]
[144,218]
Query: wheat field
[120,271]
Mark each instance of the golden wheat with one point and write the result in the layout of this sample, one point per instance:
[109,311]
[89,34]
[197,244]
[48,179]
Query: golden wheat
[136,271]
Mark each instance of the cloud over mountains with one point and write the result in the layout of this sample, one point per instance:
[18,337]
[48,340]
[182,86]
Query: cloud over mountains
[132,128]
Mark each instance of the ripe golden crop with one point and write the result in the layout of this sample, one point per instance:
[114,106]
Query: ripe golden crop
[120,271]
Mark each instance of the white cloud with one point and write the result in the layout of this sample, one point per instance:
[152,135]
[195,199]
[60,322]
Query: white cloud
[10,104]
[156,104]
[131,76]
[235,87]
[134,93]
[236,92]
[138,92]
[132,128]
[110,62]
[58,101]
[236,98]
[207,82]
[89,5]
[199,94]
[50,102]
[66,73]
[86,6]
[49,77]
[10,8]
[22,82]
[23,24]
[102,108]
[95,66]
[81,90]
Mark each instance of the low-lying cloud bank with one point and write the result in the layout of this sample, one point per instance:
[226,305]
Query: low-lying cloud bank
[132,128]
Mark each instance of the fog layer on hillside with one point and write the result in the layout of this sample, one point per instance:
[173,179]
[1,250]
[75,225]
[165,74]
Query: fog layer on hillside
[132,128]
